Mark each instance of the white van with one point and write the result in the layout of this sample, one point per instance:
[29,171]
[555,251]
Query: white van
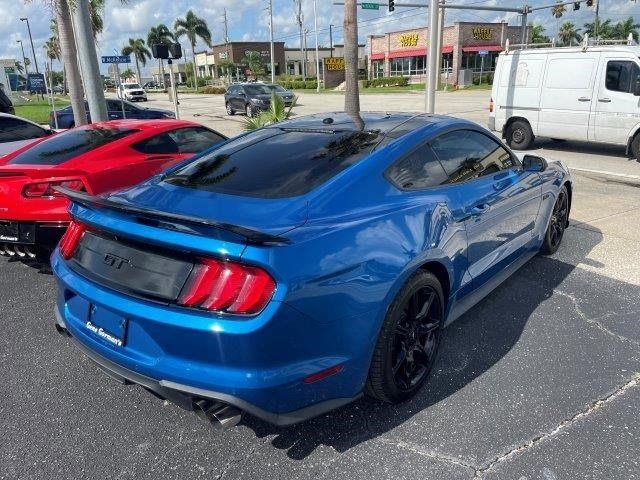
[574,93]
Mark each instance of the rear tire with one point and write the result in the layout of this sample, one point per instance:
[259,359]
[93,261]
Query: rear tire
[557,224]
[519,135]
[408,340]
[249,111]
[635,147]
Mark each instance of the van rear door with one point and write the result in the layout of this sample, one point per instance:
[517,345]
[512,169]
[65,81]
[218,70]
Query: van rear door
[616,109]
[567,95]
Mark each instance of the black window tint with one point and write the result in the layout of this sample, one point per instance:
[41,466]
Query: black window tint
[14,130]
[467,154]
[194,140]
[157,144]
[274,163]
[256,90]
[113,105]
[420,169]
[64,146]
[621,76]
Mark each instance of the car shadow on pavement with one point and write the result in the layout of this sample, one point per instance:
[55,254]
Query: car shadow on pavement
[470,347]
[575,146]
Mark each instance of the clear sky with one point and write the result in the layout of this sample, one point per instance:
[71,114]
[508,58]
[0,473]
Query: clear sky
[248,20]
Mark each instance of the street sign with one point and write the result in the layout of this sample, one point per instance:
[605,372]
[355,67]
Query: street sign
[35,83]
[370,6]
[483,52]
[116,59]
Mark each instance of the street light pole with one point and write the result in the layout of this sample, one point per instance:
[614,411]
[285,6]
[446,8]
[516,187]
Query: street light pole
[273,71]
[331,40]
[24,59]
[432,59]
[33,50]
[315,27]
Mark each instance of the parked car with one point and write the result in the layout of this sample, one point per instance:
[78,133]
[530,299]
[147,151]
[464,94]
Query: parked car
[94,158]
[58,89]
[250,98]
[153,86]
[114,108]
[6,106]
[16,132]
[293,268]
[587,94]
[132,92]
[285,94]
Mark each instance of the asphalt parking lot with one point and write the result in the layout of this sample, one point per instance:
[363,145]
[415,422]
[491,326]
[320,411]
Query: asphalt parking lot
[541,380]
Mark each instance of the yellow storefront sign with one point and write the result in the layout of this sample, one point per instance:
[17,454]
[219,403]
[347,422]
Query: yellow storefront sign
[409,40]
[335,64]
[482,33]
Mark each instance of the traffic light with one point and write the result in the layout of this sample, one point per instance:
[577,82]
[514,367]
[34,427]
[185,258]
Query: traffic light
[576,6]
[392,5]
[589,3]
[160,50]
[176,50]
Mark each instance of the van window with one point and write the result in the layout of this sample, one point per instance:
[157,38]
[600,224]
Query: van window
[621,76]
[570,73]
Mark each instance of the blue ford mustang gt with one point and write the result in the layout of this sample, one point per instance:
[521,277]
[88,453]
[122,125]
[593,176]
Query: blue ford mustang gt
[291,269]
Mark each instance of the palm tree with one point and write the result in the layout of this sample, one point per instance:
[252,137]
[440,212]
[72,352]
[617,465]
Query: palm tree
[537,34]
[140,53]
[193,27]
[350,35]
[625,27]
[160,35]
[599,29]
[255,63]
[127,74]
[62,11]
[52,50]
[96,8]
[277,113]
[19,67]
[568,33]
[558,11]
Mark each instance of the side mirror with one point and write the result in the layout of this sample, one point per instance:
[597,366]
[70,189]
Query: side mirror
[533,163]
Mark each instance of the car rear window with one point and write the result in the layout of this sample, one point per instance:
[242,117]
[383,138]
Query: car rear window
[276,162]
[64,146]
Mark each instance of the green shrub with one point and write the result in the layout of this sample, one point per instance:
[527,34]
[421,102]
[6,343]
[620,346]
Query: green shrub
[214,90]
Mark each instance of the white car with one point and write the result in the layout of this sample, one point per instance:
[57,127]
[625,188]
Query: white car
[132,92]
[16,132]
[589,93]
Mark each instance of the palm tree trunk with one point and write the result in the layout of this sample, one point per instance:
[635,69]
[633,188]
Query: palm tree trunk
[138,68]
[195,67]
[70,59]
[351,94]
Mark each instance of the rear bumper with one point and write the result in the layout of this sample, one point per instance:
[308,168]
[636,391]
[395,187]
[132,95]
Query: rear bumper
[42,234]
[256,364]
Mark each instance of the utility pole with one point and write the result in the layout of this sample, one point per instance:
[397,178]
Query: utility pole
[88,60]
[300,20]
[273,70]
[315,27]
[523,36]
[226,43]
[432,58]
[33,50]
[24,59]
[331,40]
[440,41]
[595,25]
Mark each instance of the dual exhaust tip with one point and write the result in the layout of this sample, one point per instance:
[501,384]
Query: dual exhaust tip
[218,414]
[12,250]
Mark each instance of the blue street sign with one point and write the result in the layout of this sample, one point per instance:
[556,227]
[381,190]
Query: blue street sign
[116,59]
[35,83]
[483,52]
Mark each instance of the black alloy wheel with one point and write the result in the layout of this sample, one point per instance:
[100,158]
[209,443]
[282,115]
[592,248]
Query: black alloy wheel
[557,223]
[408,341]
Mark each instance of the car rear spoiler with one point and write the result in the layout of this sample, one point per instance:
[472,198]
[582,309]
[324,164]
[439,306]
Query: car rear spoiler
[251,236]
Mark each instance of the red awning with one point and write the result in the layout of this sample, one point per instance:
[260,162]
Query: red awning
[482,48]
[412,52]
[447,49]
[377,56]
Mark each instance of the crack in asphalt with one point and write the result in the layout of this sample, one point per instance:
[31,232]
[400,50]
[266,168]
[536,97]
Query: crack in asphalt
[592,321]
[480,471]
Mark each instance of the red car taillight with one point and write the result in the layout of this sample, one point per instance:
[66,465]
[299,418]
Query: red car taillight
[491,105]
[45,189]
[226,286]
[71,238]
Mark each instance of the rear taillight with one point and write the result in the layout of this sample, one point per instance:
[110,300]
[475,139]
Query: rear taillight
[71,238]
[226,286]
[491,105]
[46,189]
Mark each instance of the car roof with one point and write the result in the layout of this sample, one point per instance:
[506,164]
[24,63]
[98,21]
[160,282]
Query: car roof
[164,124]
[8,115]
[387,123]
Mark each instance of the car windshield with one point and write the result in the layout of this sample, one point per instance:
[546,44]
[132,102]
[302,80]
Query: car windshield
[276,88]
[64,146]
[257,89]
[131,85]
[276,162]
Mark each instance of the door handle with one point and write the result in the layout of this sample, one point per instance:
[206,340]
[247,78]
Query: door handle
[604,100]
[480,209]
[584,99]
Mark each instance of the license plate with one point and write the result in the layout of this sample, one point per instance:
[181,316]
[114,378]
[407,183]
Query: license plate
[9,231]
[109,326]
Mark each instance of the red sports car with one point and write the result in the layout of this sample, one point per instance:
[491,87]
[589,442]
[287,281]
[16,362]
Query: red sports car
[95,158]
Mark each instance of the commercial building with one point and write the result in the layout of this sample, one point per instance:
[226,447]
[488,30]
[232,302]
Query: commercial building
[230,59]
[472,47]
[294,57]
